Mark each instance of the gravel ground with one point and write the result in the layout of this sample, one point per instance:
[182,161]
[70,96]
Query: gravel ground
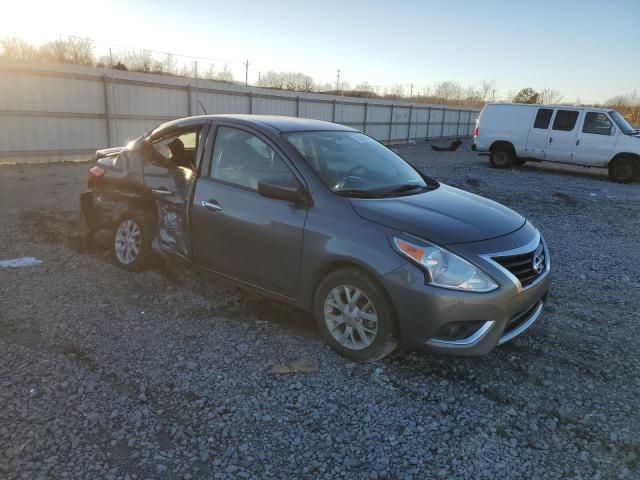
[166,374]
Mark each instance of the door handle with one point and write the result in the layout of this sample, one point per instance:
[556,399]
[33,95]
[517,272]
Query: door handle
[550,139]
[211,206]
[162,192]
[577,142]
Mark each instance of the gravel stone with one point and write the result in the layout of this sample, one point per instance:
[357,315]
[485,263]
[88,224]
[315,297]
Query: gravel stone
[92,388]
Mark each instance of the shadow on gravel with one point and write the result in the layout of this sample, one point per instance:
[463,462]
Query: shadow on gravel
[67,228]
[54,227]
[567,199]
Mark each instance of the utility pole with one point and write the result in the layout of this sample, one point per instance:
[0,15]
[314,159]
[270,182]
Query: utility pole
[246,73]
[338,81]
[411,94]
[110,59]
[259,75]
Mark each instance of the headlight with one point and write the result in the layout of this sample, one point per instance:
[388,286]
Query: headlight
[446,269]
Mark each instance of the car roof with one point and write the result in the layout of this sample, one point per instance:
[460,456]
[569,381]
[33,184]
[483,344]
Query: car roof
[550,105]
[280,124]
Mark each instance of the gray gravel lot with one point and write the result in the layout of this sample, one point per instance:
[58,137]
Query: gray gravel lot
[166,374]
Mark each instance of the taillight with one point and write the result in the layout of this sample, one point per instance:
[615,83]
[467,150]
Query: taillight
[475,133]
[95,172]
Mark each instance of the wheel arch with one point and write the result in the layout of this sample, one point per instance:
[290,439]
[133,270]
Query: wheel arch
[502,143]
[338,264]
[620,155]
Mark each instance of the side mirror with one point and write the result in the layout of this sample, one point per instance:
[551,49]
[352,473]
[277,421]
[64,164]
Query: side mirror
[282,188]
[613,130]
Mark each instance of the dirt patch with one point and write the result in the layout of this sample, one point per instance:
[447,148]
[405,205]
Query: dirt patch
[566,199]
[55,227]
[472,182]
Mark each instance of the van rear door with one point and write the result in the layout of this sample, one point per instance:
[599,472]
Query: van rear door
[539,134]
[562,138]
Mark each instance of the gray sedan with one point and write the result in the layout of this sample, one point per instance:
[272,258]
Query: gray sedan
[326,218]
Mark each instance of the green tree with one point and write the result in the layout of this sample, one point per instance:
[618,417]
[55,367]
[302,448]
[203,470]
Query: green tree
[526,95]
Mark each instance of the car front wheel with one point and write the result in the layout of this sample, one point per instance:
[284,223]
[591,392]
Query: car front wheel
[355,316]
[624,170]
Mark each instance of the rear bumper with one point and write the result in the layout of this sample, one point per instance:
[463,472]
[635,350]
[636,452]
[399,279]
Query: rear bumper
[424,311]
[98,213]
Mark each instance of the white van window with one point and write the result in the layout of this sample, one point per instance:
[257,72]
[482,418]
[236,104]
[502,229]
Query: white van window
[597,123]
[543,118]
[565,120]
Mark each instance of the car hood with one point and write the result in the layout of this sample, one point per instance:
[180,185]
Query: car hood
[446,215]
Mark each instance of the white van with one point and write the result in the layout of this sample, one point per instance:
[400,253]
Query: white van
[513,133]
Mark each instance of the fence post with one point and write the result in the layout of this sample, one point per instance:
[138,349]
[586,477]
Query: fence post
[334,111]
[409,127]
[298,106]
[364,124]
[189,104]
[250,102]
[428,122]
[444,114]
[107,110]
[458,126]
[391,123]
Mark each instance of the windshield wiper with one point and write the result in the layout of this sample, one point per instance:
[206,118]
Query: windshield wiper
[406,188]
[354,192]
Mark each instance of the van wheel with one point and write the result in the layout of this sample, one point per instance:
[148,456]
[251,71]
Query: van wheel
[131,241]
[502,156]
[624,170]
[355,316]
[519,161]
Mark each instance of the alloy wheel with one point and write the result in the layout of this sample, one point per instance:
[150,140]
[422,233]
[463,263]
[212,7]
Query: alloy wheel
[351,317]
[128,240]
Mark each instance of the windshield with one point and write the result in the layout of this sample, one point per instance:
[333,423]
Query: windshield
[353,163]
[621,122]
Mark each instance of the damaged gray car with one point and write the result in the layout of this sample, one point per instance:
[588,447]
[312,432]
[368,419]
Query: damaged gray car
[328,219]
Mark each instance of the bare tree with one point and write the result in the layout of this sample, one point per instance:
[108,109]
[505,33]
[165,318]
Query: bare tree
[487,90]
[139,60]
[14,47]
[271,79]
[550,95]
[628,105]
[170,64]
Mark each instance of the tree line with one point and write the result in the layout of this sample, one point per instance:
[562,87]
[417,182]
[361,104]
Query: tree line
[80,51]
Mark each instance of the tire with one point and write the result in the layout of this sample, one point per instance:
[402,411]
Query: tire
[131,241]
[624,169]
[353,338]
[502,156]
[519,161]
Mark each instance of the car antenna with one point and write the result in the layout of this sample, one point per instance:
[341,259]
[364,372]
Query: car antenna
[202,106]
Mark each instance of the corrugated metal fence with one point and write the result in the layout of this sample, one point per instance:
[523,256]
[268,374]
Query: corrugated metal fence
[51,112]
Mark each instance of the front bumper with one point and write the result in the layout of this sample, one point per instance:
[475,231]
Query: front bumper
[501,315]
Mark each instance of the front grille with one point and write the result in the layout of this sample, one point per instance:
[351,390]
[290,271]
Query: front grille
[523,266]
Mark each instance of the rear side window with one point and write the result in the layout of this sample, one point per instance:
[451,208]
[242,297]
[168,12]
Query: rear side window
[565,120]
[597,123]
[543,118]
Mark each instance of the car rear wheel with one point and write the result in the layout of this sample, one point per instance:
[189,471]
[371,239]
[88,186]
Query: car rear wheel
[355,316]
[131,241]
[502,156]
[624,170]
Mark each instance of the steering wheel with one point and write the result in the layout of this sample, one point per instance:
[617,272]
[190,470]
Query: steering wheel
[354,171]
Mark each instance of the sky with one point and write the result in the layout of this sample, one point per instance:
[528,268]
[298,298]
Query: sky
[588,50]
